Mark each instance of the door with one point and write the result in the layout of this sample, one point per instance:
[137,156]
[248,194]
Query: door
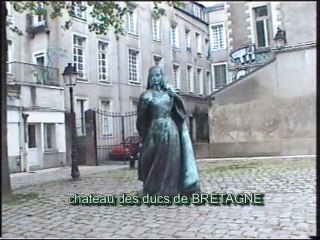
[33,145]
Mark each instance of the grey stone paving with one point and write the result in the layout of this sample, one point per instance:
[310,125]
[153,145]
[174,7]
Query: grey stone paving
[289,210]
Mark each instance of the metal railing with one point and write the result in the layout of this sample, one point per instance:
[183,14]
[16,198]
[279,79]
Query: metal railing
[31,73]
[112,131]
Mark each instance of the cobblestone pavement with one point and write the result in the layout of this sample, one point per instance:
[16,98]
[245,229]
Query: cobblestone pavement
[43,211]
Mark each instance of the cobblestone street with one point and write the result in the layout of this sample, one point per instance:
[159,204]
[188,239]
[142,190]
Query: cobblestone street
[289,186]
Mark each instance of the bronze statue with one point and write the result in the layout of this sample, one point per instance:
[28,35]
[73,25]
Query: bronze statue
[167,163]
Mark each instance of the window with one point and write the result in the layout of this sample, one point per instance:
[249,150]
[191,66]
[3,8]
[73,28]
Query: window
[197,11]
[207,44]
[200,81]
[156,35]
[106,123]
[176,76]
[134,108]
[32,139]
[133,65]
[9,57]
[103,62]
[219,75]
[9,9]
[218,38]
[78,9]
[209,83]
[81,107]
[49,135]
[40,70]
[198,43]
[157,60]
[262,26]
[39,20]
[134,105]
[188,40]
[79,55]
[190,79]
[132,21]
[174,37]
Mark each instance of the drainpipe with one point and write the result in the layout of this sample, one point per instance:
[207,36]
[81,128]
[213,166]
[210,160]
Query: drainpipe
[24,160]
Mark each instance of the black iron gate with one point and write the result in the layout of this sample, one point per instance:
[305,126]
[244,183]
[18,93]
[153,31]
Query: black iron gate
[116,136]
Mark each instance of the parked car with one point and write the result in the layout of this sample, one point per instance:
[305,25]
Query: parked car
[131,147]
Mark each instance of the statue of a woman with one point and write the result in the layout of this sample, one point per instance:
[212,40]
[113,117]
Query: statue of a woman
[167,163]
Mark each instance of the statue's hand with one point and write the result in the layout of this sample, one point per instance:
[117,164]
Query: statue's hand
[171,92]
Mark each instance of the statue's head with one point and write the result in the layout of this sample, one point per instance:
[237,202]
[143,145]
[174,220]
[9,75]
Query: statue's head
[156,77]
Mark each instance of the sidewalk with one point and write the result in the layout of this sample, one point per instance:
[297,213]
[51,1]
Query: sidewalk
[23,179]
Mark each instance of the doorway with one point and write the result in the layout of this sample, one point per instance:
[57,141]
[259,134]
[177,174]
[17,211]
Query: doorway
[34,145]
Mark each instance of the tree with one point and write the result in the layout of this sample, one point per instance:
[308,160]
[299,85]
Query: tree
[105,15]
[5,176]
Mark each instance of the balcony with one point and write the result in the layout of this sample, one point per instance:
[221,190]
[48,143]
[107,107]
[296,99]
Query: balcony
[36,24]
[18,72]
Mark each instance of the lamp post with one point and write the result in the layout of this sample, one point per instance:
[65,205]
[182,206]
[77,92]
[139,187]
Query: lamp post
[280,38]
[70,78]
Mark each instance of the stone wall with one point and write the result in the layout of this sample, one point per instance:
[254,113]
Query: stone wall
[270,112]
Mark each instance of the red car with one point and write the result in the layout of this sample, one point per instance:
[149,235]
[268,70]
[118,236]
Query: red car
[131,147]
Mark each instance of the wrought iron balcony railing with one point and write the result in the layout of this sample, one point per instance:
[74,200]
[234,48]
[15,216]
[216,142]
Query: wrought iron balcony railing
[20,72]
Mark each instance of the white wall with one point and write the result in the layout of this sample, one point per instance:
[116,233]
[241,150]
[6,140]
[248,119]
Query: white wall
[48,97]
[45,117]
[61,137]
[13,117]
[13,139]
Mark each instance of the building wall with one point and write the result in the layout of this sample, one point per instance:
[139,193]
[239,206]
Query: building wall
[42,97]
[299,21]
[270,112]
[120,92]
[50,157]
[42,103]
[14,141]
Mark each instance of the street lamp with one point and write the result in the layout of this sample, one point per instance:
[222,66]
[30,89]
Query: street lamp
[70,78]
[280,38]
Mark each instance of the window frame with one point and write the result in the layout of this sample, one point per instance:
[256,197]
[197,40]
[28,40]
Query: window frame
[39,72]
[9,8]
[209,82]
[107,80]
[176,81]
[9,56]
[224,37]
[174,37]
[85,100]
[84,56]
[199,79]
[198,43]
[134,117]
[39,20]
[138,64]
[190,82]
[156,25]
[188,40]
[75,8]
[106,117]
[266,26]
[157,56]
[32,137]
[53,137]
[132,26]
[213,75]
